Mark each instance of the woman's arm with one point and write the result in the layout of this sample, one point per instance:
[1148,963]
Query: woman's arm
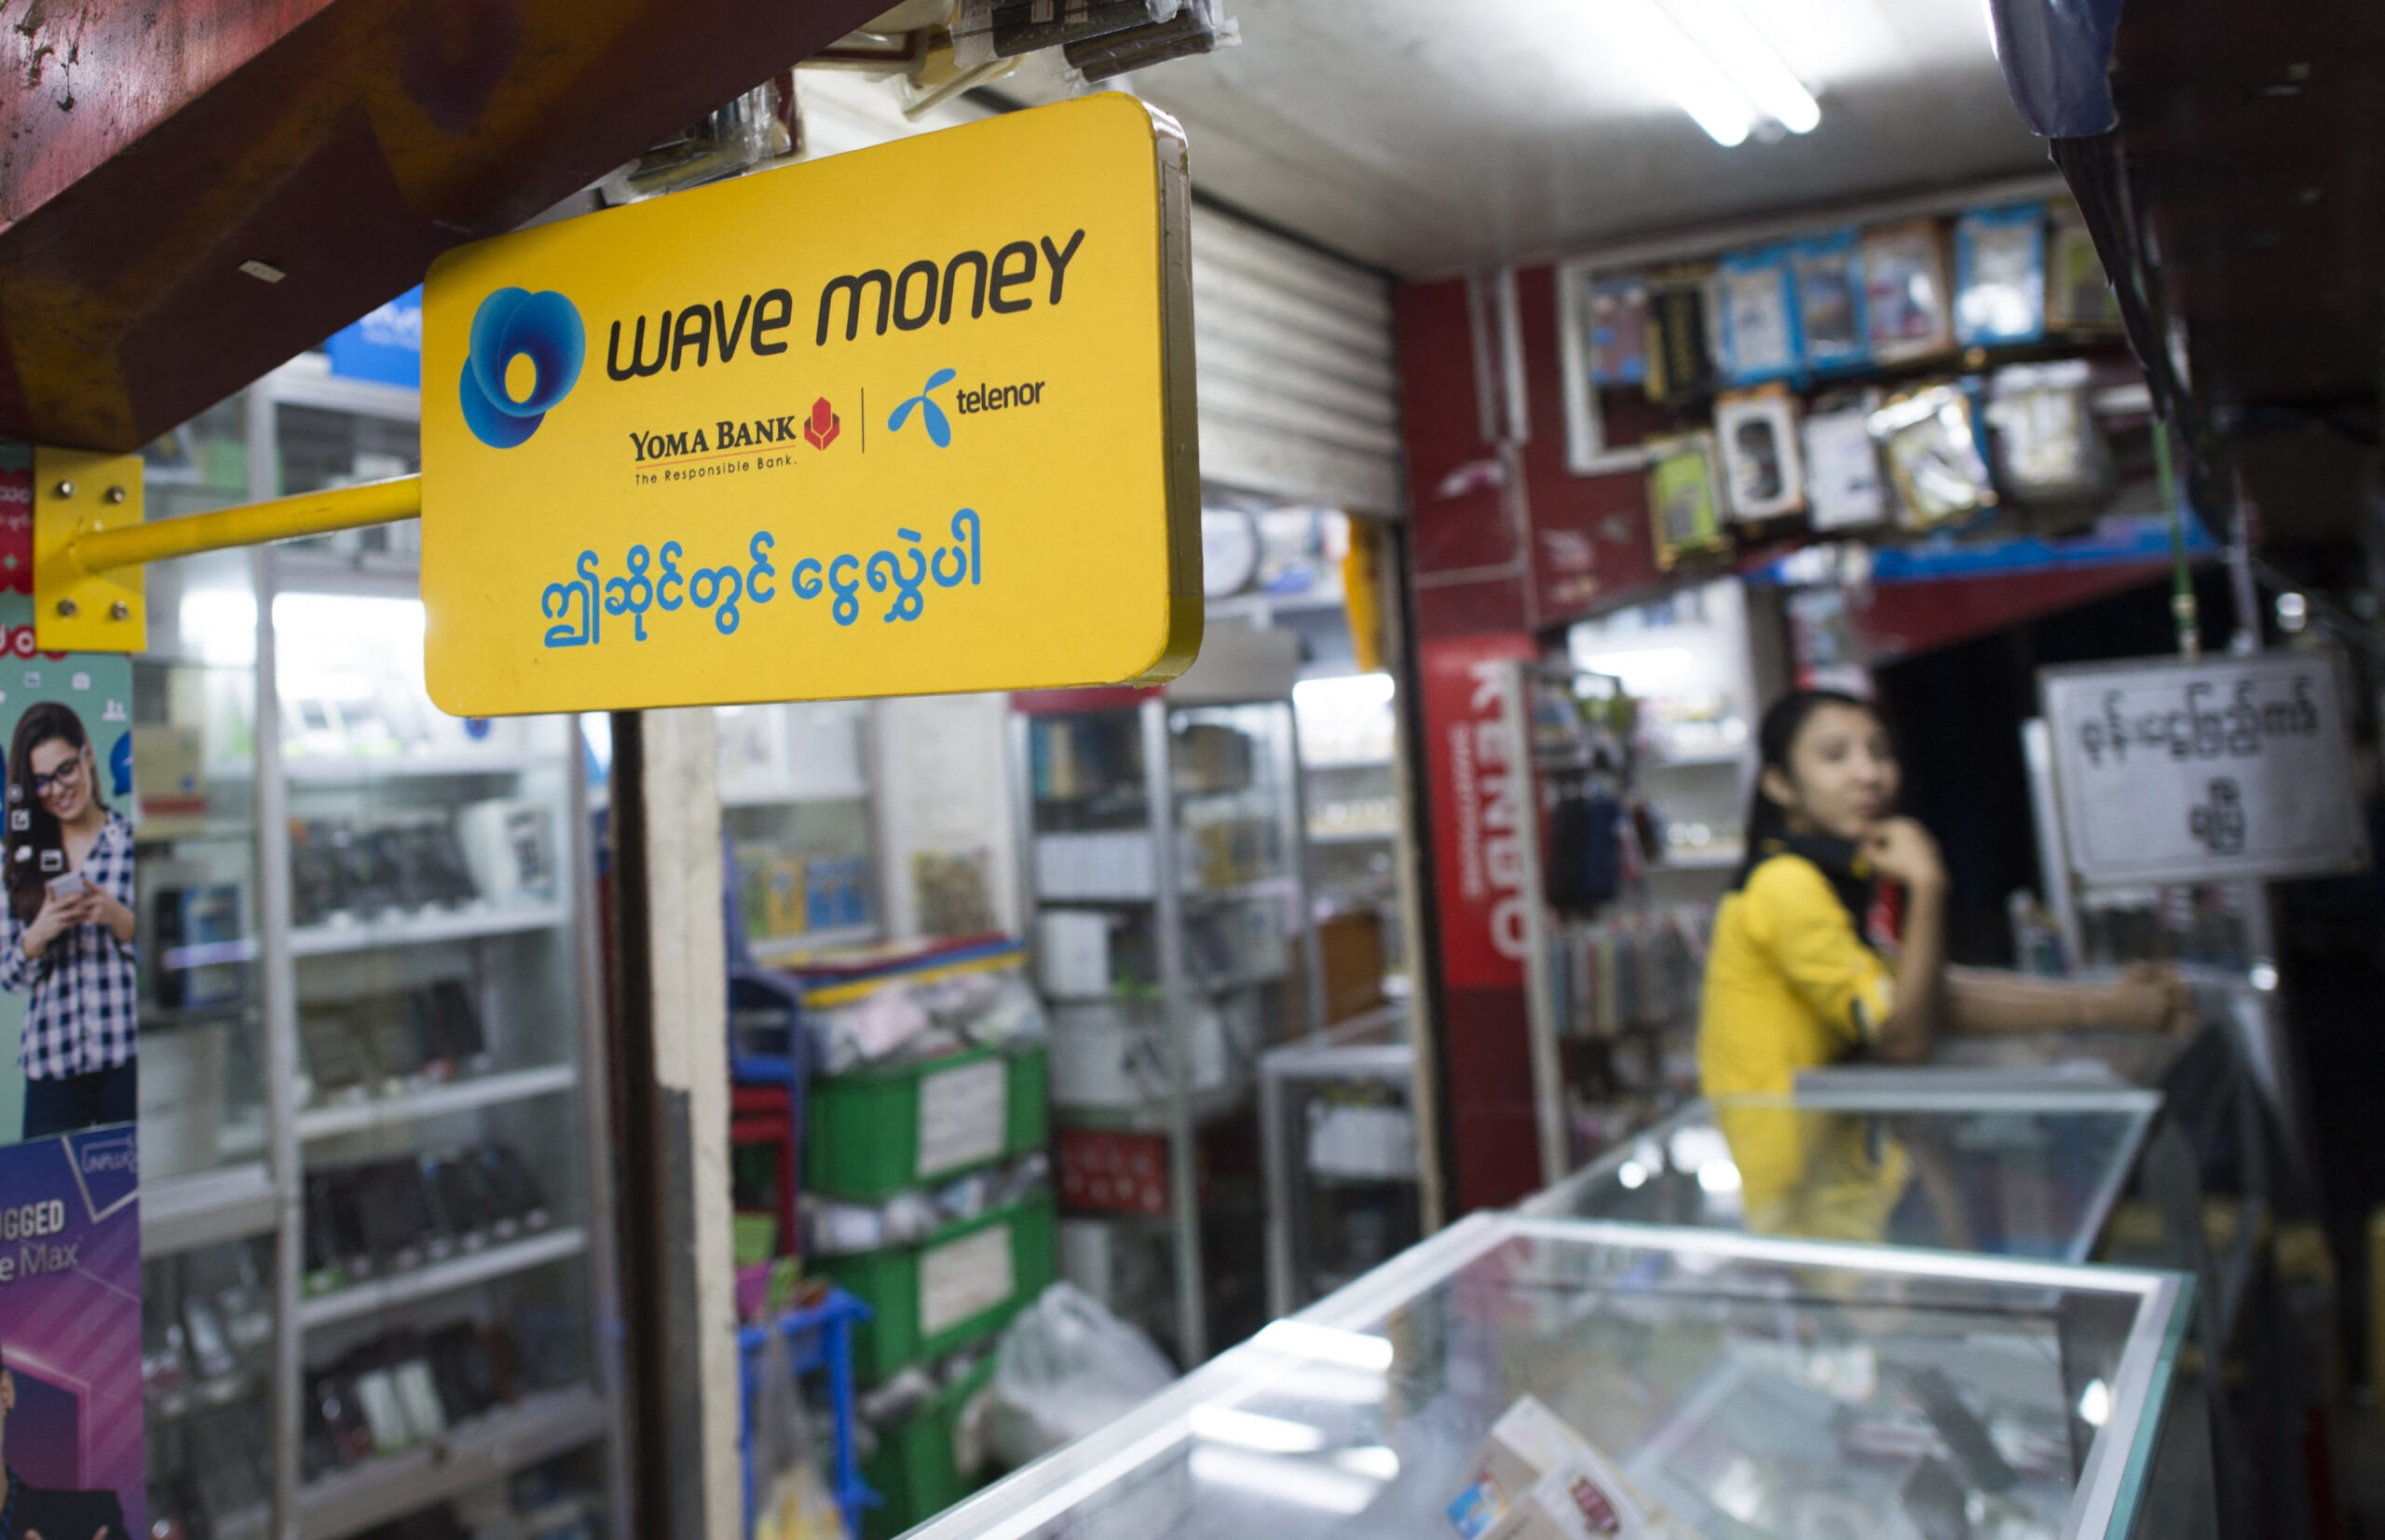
[1989,1000]
[1901,851]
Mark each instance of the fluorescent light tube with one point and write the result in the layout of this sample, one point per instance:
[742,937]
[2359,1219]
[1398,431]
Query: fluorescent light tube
[1732,75]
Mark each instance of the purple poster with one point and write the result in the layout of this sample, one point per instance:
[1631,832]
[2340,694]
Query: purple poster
[70,1337]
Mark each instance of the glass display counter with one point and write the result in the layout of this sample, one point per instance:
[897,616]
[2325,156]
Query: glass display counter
[1520,1376]
[2022,1174]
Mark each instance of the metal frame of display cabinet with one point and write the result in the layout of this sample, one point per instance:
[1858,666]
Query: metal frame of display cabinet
[1340,1058]
[1567,1198]
[1154,710]
[264,1197]
[1324,1342]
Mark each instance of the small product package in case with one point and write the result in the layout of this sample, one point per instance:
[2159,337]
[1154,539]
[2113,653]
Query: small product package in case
[1830,300]
[1931,441]
[1535,1479]
[1763,473]
[1618,331]
[2000,275]
[1760,328]
[1844,487]
[1684,498]
[1197,27]
[1905,299]
[985,29]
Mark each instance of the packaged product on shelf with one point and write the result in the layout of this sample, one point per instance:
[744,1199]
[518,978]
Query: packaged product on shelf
[1931,442]
[2000,275]
[1829,270]
[1618,328]
[2047,446]
[1685,497]
[906,1020]
[837,1228]
[1763,474]
[509,846]
[1844,487]
[1907,306]
[1760,331]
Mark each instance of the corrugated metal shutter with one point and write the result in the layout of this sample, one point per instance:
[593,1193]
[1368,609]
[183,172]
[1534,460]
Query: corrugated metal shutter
[1300,395]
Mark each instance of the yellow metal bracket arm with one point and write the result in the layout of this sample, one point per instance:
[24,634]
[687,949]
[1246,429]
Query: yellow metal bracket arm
[90,542]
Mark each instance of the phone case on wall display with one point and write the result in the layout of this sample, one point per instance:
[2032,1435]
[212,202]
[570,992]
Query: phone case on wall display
[1619,323]
[1760,327]
[1844,484]
[1906,299]
[1684,320]
[2000,275]
[1929,438]
[2078,292]
[1831,307]
[1685,497]
[1763,474]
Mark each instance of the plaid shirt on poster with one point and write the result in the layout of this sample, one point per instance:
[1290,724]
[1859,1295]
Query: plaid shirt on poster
[83,1016]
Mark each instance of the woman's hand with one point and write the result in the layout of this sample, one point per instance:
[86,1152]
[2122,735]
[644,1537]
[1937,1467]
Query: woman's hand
[55,915]
[1903,851]
[106,910]
[2150,997]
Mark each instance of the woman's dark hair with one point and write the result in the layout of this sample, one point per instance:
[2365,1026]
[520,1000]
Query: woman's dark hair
[33,828]
[1786,717]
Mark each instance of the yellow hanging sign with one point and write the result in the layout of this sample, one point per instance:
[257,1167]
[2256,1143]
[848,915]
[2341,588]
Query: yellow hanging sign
[910,420]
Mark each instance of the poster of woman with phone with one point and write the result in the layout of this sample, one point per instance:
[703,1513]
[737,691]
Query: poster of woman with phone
[66,939]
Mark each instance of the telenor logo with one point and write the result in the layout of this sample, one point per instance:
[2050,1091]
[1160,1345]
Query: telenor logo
[932,417]
[515,323]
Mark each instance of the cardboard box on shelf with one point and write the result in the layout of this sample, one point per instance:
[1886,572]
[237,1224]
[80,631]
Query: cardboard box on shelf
[1538,1480]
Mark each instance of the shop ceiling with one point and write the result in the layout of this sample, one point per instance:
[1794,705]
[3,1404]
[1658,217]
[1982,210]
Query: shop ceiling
[1423,136]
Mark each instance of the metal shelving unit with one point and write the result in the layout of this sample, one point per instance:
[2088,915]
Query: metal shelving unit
[1160,794]
[523,957]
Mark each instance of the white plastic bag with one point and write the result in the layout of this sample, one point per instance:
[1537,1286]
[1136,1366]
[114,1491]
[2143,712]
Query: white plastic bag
[1065,1367]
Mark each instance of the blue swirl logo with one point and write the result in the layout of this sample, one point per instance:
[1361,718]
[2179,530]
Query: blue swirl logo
[513,323]
[932,417]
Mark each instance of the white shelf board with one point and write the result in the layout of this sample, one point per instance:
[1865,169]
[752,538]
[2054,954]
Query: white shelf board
[420,929]
[472,1453]
[203,1207]
[1706,858]
[1710,759]
[347,769]
[1353,836]
[788,797]
[422,1283]
[431,1101]
[779,949]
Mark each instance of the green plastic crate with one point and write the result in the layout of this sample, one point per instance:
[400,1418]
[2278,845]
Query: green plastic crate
[928,1460]
[927,1300]
[863,1134]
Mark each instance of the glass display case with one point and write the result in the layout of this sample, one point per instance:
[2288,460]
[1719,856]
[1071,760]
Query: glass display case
[2029,1174]
[375,1211]
[796,807]
[1173,943]
[1523,1376]
[1337,1135]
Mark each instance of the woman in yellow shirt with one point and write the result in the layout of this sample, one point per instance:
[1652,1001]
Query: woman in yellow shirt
[1798,976]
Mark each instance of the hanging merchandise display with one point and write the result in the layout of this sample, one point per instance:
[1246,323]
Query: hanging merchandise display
[1619,332]
[1685,497]
[1931,442]
[1830,301]
[2000,276]
[2048,448]
[1197,27]
[1760,317]
[1907,304]
[1843,480]
[1763,474]
[1005,28]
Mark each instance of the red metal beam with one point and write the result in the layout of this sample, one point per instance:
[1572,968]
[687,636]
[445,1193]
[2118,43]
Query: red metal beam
[149,147]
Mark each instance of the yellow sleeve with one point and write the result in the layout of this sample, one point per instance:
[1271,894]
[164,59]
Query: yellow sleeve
[1798,920]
